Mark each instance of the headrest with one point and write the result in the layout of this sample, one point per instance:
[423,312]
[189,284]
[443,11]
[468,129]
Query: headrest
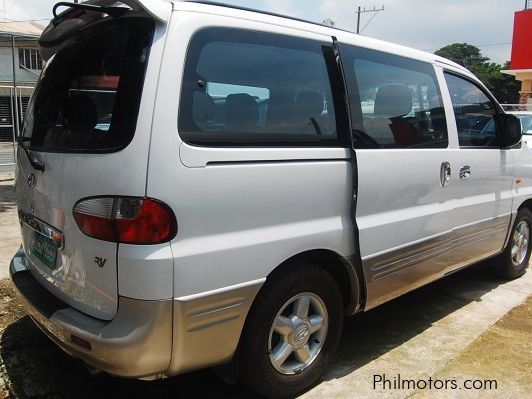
[309,102]
[202,108]
[241,112]
[393,101]
[79,112]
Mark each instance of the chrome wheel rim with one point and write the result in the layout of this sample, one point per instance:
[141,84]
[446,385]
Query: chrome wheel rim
[298,333]
[520,243]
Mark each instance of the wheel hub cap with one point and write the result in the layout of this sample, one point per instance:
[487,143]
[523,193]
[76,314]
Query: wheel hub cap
[520,241]
[300,336]
[298,333]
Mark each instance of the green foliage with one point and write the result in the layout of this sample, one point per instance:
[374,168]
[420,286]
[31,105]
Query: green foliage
[463,54]
[504,87]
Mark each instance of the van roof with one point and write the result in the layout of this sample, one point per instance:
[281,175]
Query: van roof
[343,36]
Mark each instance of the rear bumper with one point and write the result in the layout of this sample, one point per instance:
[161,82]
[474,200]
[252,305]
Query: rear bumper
[137,343]
[146,339]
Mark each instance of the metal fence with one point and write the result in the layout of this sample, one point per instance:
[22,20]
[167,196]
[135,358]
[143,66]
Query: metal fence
[13,101]
[517,107]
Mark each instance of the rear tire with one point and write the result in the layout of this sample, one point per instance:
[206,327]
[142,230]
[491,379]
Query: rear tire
[513,262]
[291,332]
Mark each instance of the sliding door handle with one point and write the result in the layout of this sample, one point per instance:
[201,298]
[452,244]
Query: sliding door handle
[445,174]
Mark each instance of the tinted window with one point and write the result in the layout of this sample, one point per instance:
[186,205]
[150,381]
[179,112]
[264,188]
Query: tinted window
[251,88]
[526,122]
[395,101]
[474,112]
[89,93]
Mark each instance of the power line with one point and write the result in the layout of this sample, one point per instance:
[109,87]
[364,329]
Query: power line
[367,23]
[363,11]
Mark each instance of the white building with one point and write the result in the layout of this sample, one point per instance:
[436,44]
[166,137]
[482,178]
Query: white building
[28,62]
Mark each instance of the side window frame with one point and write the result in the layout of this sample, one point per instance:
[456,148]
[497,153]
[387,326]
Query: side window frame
[349,53]
[492,99]
[247,36]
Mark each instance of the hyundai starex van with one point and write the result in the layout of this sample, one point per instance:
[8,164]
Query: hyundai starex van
[203,185]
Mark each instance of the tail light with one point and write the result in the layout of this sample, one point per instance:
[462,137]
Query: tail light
[126,220]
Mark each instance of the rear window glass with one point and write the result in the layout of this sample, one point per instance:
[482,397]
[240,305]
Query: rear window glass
[88,96]
[244,88]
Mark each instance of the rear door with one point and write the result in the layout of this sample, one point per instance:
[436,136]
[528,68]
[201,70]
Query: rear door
[403,202]
[81,126]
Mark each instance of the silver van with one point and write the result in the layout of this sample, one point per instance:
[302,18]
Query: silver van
[204,185]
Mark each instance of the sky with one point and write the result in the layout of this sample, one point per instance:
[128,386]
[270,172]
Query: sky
[422,24]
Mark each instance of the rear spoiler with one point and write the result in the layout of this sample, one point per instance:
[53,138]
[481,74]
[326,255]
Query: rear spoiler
[78,15]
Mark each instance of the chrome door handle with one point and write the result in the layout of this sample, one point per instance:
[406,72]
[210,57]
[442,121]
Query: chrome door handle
[465,172]
[445,174]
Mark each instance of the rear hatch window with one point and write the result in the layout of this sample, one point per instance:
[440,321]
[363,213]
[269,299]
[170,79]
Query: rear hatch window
[88,96]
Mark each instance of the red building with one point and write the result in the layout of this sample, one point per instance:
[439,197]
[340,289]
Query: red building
[521,62]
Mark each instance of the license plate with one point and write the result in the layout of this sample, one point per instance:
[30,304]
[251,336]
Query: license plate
[44,249]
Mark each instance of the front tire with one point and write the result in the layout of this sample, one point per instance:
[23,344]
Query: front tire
[291,332]
[513,262]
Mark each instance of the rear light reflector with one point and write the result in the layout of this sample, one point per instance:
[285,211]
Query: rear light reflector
[127,220]
[81,342]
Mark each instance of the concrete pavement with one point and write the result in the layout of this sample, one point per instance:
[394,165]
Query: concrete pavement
[470,309]
[9,227]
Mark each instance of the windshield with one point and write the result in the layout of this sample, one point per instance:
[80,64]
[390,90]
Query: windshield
[88,96]
[526,122]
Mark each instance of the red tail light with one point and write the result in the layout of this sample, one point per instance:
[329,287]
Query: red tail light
[126,220]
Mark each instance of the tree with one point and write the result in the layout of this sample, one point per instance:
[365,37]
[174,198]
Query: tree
[504,87]
[463,54]
[329,22]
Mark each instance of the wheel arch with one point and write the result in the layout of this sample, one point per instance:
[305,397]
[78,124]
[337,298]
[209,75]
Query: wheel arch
[346,272]
[347,275]
[526,204]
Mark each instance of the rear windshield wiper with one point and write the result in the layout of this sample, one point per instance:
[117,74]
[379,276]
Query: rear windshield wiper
[35,163]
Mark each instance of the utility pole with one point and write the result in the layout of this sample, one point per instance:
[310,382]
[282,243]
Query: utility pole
[363,11]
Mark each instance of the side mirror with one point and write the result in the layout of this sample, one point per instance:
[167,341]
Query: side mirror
[510,130]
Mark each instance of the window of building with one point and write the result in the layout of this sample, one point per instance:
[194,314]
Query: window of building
[30,58]
[245,88]
[474,112]
[395,101]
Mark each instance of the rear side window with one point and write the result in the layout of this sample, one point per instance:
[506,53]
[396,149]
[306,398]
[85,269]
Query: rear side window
[396,102]
[474,112]
[88,96]
[243,88]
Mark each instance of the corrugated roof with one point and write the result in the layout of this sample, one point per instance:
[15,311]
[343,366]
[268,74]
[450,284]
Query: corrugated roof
[20,28]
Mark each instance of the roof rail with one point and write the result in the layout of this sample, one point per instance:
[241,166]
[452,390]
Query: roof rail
[273,14]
